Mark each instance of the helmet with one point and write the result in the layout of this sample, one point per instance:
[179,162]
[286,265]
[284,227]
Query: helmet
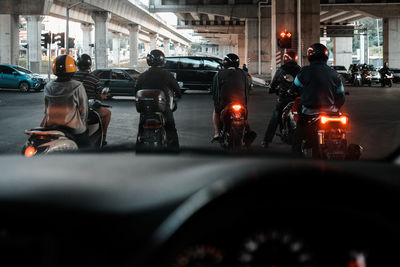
[63,65]
[84,62]
[155,58]
[231,60]
[317,51]
[290,56]
[386,65]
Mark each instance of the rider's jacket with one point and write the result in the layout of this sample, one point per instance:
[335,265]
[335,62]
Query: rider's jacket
[158,78]
[384,70]
[320,88]
[229,86]
[279,82]
[66,104]
[91,83]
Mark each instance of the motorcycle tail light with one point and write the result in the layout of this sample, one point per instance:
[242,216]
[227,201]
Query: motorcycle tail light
[342,119]
[152,124]
[30,151]
[237,107]
[237,111]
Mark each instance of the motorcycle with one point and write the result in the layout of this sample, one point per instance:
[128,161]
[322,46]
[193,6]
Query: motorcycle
[366,78]
[45,140]
[327,134]
[151,104]
[387,79]
[234,124]
[356,79]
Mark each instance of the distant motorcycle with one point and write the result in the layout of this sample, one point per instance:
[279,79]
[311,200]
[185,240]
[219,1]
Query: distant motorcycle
[366,78]
[387,79]
[151,104]
[357,79]
[45,140]
[234,119]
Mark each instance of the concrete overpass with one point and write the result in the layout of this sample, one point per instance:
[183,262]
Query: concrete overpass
[253,21]
[127,17]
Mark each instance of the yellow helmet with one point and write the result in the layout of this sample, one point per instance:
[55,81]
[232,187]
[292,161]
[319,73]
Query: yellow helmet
[63,64]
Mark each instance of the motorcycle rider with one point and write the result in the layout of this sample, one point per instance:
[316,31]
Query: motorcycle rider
[383,71]
[279,83]
[93,89]
[158,78]
[66,102]
[320,89]
[354,70]
[230,85]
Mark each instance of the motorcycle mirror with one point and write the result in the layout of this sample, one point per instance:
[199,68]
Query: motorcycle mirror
[105,91]
[289,78]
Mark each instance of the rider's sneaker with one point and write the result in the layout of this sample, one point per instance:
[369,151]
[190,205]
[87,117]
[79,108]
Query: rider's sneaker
[216,138]
[265,144]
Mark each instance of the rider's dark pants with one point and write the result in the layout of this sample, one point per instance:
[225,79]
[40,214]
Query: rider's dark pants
[82,140]
[275,119]
[304,132]
[172,134]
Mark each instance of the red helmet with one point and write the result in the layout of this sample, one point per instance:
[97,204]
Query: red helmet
[317,51]
[290,56]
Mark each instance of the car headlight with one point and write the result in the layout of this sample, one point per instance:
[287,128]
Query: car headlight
[34,79]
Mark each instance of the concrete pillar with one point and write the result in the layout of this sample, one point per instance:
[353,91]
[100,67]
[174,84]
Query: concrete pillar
[87,38]
[364,50]
[343,51]
[251,45]
[167,42]
[101,20]
[116,45]
[391,41]
[9,39]
[309,25]
[153,40]
[177,49]
[133,44]
[241,49]
[34,30]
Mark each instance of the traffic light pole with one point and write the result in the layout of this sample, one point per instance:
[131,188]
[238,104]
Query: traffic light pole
[67,26]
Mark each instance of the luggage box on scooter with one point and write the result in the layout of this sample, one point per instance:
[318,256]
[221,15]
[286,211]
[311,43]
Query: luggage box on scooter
[151,100]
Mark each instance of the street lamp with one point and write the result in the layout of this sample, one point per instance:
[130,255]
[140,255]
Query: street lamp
[67,28]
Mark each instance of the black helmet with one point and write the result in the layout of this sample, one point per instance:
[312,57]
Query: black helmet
[84,62]
[317,51]
[155,58]
[231,60]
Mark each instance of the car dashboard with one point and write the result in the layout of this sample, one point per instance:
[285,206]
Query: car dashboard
[188,209]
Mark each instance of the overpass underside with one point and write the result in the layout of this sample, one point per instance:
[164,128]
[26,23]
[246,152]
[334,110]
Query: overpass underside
[251,27]
[118,17]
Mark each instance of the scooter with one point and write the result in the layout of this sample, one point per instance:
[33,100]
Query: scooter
[151,104]
[45,140]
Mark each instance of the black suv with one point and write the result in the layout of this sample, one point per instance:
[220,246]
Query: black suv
[194,72]
[120,80]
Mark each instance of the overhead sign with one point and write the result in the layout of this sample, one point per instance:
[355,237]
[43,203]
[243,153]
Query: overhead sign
[339,31]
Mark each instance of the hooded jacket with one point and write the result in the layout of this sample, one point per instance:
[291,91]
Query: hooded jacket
[66,104]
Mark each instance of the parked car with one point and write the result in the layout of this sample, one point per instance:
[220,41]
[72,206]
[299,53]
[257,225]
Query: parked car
[193,71]
[121,81]
[16,77]
[396,74]
[342,72]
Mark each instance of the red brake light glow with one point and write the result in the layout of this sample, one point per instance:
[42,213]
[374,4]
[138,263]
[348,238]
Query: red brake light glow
[288,34]
[237,107]
[283,34]
[342,119]
[30,151]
